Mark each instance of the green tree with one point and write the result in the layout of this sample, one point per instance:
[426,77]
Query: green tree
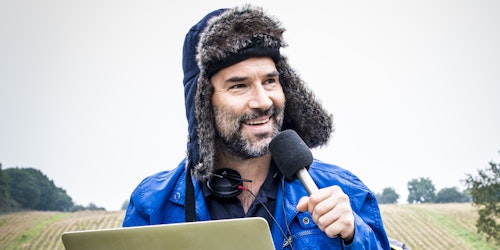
[31,189]
[23,188]
[6,202]
[421,191]
[388,196]
[92,207]
[61,200]
[449,195]
[485,191]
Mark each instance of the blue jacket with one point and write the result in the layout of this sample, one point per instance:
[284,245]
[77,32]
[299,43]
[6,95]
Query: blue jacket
[159,199]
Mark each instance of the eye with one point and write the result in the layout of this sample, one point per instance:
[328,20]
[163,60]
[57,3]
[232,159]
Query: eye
[270,81]
[237,86]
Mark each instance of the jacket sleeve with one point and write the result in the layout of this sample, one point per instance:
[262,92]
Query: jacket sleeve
[364,237]
[369,232]
[149,201]
[134,215]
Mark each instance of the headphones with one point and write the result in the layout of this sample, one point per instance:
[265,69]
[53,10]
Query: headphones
[226,183]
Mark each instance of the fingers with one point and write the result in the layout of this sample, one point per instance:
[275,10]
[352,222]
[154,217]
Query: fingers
[338,221]
[331,211]
[303,204]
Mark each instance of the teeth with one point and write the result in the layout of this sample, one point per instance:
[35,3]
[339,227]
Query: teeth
[257,122]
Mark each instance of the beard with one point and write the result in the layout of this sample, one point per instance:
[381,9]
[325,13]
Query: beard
[232,140]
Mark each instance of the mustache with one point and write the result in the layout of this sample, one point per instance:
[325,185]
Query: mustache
[257,113]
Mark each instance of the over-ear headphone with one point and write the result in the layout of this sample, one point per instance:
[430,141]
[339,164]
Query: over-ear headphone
[226,183]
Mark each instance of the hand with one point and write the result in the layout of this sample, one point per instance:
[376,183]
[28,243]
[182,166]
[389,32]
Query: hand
[331,211]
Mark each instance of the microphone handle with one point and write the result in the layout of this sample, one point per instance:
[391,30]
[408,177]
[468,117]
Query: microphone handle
[306,180]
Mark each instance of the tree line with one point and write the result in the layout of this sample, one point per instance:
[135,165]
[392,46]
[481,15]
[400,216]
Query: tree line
[422,190]
[30,189]
[483,190]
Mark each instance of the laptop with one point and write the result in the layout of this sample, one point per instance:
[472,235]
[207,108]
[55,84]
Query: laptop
[242,233]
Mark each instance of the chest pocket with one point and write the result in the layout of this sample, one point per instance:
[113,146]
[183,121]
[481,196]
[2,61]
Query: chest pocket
[308,236]
[305,220]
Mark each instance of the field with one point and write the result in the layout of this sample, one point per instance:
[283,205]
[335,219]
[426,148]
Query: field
[424,226]
[434,226]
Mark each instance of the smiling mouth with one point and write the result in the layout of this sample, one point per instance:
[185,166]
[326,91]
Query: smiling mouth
[258,122]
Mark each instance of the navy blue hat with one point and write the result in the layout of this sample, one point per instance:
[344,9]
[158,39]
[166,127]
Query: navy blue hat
[191,75]
[225,37]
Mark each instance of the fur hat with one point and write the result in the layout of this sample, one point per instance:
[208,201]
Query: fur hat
[221,39]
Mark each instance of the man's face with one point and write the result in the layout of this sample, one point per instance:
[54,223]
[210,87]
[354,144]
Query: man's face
[248,104]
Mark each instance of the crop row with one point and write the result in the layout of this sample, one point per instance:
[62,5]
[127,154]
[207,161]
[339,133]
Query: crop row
[425,226]
[431,226]
[43,230]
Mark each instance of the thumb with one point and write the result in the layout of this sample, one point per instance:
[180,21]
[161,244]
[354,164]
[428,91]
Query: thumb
[303,204]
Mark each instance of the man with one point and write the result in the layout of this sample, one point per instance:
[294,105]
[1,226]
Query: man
[240,92]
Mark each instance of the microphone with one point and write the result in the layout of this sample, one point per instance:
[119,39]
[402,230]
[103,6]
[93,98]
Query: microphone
[293,158]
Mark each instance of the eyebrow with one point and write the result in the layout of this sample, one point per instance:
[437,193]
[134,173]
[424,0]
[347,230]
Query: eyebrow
[242,78]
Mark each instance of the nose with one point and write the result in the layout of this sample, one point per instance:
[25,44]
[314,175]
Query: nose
[260,98]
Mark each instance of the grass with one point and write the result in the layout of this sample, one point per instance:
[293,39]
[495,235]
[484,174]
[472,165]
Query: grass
[34,231]
[471,239]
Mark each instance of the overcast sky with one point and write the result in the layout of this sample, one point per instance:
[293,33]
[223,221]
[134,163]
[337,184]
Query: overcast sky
[91,91]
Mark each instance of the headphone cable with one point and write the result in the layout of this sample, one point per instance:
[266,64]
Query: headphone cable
[288,240]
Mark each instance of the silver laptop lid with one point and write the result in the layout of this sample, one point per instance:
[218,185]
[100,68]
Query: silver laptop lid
[245,234]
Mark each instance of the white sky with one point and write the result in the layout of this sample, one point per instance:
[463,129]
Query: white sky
[91,91]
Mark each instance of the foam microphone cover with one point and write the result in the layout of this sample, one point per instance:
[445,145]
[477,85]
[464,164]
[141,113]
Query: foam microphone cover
[290,153]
